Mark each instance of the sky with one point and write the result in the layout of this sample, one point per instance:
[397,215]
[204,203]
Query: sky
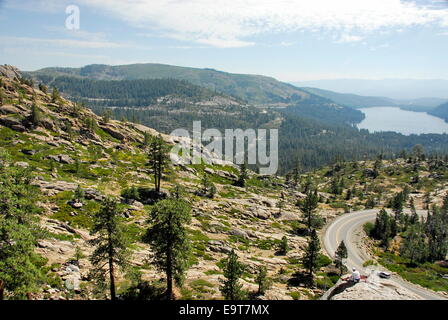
[291,40]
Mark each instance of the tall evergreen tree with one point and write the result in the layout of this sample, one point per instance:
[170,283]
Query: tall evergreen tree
[296,174]
[437,231]
[308,185]
[413,247]
[43,88]
[233,270]
[36,116]
[384,228]
[427,200]
[111,245]
[262,280]
[158,159]
[340,254]
[208,187]
[55,97]
[284,247]
[169,240]
[310,259]
[308,207]
[243,176]
[20,266]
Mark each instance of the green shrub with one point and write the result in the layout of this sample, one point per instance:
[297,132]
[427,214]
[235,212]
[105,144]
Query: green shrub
[324,283]
[323,261]
[295,295]
[368,227]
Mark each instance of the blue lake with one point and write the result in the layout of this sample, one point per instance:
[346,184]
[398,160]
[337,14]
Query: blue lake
[406,122]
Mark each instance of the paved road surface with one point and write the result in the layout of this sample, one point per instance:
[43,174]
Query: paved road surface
[344,227]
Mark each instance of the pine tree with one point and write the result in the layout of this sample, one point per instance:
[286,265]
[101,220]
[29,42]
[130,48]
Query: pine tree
[243,176]
[158,160]
[308,185]
[308,207]
[349,194]
[340,254]
[55,97]
[177,192]
[280,205]
[419,152]
[413,247]
[233,270]
[445,204]
[43,88]
[296,174]
[310,259]
[169,240]
[36,116]
[437,232]
[208,188]
[284,247]
[262,280]
[69,130]
[107,116]
[111,244]
[146,138]
[427,200]
[20,266]
[79,194]
[385,228]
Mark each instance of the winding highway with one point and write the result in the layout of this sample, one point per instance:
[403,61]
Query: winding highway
[345,228]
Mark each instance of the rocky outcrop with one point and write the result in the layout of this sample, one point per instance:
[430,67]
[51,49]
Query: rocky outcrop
[10,72]
[371,288]
[52,188]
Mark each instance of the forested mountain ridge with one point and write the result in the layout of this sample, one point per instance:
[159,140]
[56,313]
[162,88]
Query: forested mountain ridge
[254,89]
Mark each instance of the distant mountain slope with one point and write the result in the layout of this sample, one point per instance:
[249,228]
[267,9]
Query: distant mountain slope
[351,100]
[255,89]
[441,111]
[358,101]
[400,89]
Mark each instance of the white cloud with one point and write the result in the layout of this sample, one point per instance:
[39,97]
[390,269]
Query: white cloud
[347,38]
[287,43]
[14,41]
[231,23]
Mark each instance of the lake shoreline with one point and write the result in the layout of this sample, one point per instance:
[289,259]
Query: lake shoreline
[396,119]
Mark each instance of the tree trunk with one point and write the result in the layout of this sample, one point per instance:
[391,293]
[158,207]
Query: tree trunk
[2,289]
[112,279]
[111,268]
[169,275]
